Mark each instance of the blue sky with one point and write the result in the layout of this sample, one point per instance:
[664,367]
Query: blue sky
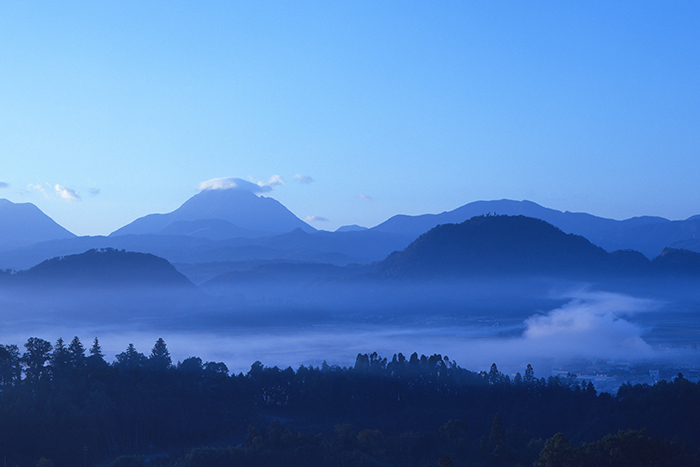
[114,110]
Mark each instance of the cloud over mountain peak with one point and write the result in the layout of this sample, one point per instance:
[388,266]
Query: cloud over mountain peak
[233,183]
[230,183]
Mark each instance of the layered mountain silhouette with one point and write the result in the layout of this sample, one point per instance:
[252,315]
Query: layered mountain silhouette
[221,213]
[288,273]
[486,247]
[322,247]
[23,224]
[351,228]
[238,226]
[483,248]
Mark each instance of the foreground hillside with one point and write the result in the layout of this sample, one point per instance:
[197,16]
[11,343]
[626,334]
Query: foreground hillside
[57,400]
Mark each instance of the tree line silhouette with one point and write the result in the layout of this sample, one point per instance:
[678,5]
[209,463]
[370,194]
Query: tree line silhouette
[63,404]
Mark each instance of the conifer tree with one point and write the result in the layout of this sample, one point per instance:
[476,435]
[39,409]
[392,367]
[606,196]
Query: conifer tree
[60,359]
[76,353]
[130,359]
[96,349]
[160,356]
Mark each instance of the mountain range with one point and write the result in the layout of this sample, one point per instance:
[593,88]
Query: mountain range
[235,226]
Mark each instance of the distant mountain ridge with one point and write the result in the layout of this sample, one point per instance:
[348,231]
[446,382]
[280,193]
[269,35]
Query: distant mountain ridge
[246,215]
[23,224]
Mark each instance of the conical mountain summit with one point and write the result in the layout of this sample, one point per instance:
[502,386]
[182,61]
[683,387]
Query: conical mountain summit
[253,215]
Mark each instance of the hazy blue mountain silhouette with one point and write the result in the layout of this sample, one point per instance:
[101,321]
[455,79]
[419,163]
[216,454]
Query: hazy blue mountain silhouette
[23,224]
[228,226]
[339,248]
[351,228]
[104,268]
[498,245]
[286,272]
[444,264]
[647,234]
[253,215]
[692,244]
[677,261]
[362,245]
[214,229]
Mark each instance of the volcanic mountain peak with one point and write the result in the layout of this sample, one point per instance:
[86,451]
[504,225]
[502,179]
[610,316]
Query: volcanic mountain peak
[240,208]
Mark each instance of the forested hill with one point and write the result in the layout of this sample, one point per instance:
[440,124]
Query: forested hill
[507,245]
[496,245]
[104,268]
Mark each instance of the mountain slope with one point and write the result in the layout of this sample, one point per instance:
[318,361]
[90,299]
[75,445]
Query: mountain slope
[242,209]
[24,224]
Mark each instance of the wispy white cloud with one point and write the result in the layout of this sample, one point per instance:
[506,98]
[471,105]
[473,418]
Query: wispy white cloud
[229,183]
[39,188]
[233,183]
[55,192]
[315,219]
[4,184]
[364,197]
[274,181]
[305,179]
[65,193]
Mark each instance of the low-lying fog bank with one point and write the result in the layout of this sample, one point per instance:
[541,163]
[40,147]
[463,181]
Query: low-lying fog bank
[553,326]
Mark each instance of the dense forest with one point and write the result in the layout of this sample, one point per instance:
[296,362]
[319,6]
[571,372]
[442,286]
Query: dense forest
[63,404]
